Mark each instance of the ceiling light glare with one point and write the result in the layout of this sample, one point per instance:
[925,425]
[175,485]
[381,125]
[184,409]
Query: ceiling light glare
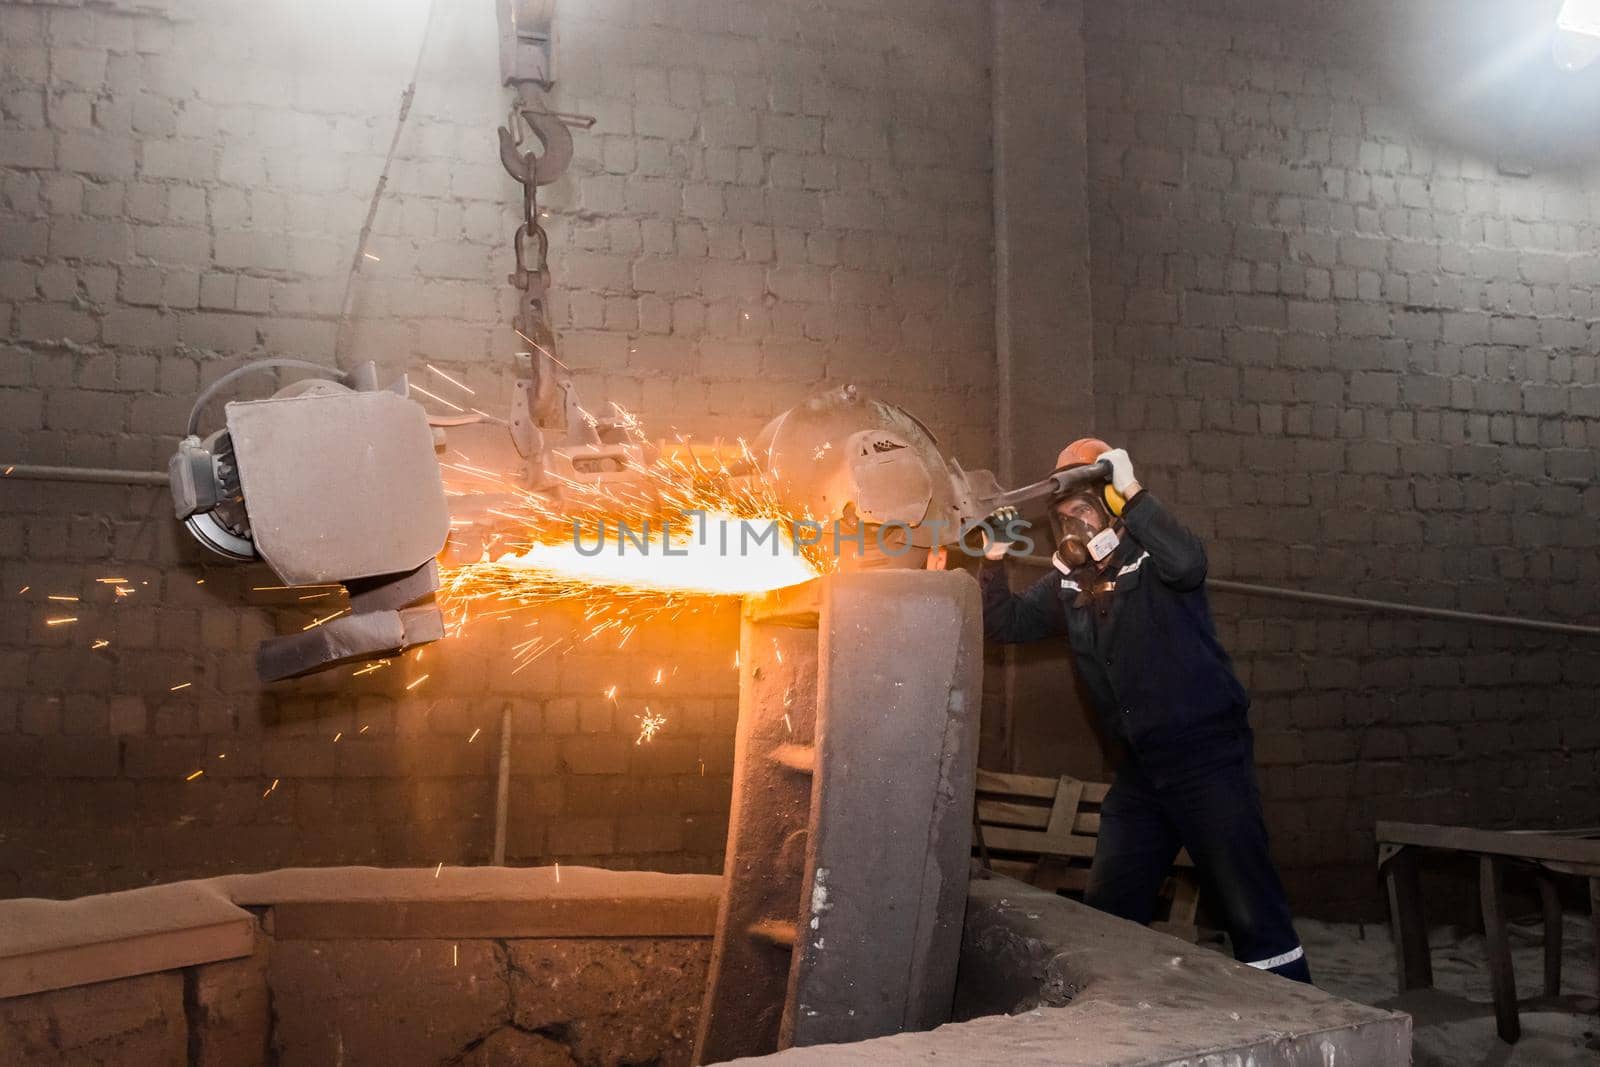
[1580,16]
[1577,38]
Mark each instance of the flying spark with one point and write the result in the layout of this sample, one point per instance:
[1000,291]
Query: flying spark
[180,685]
[372,257]
[62,596]
[475,734]
[418,682]
[434,396]
[701,523]
[337,736]
[438,869]
[649,725]
[459,385]
[542,349]
[101,643]
[195,775]
[270,788]
[61,620]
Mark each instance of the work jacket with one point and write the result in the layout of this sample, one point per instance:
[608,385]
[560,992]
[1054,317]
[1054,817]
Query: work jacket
[1146,647]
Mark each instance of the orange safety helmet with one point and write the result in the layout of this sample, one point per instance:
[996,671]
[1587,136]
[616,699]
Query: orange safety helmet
[1081,453]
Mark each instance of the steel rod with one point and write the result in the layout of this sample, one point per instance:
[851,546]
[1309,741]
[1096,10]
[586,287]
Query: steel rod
[35,472]
[502,791]
[1222,585]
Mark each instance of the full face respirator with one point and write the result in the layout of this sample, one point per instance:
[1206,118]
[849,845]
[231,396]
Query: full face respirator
[1085,520]
[1079,542]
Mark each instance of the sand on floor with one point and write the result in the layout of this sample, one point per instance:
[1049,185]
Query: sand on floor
[1454,1022]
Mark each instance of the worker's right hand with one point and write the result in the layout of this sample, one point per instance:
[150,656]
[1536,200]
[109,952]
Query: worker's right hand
[995,544]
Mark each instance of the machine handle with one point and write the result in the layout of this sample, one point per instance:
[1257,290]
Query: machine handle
[1055,485]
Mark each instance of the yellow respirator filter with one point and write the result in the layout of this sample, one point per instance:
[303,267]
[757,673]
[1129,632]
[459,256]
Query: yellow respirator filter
[1114,501]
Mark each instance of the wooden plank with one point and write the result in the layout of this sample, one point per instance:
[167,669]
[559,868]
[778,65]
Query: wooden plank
[1501,977]
[1033,817]
[1021,870]
[1001,813]
[1532,846]
[1006,839]
[1027,785]
[1056,876]
[1407,926]
[1185,901]
[1550,903]
[1065,809]
[1582,870]
[1018,785]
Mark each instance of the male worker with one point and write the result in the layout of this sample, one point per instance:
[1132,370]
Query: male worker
[1128,590]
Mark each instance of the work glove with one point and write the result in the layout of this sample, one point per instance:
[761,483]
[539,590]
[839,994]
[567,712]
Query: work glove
[994,547]
[1122,479]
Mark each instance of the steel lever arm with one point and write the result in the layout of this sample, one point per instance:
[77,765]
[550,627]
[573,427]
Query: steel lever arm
[1055,485]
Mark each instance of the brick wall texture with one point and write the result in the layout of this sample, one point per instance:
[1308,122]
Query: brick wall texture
[1359,361]
[1356,358]
[774,199]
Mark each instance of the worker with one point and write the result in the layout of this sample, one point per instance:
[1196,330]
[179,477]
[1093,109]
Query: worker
[1127,589]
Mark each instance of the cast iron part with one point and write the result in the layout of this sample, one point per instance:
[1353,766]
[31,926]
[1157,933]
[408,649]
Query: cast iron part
[848,840]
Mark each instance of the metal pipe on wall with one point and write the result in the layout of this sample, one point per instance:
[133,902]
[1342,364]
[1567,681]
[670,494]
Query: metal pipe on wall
[1223,585]
[502,790]
[35,472]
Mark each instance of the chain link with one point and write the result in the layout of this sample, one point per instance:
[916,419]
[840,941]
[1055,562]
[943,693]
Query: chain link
[532,278]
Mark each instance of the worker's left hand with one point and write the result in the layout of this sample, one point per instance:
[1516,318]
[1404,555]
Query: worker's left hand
[1122,479]
[995,530]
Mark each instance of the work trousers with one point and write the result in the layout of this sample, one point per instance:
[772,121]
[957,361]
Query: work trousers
[1215,813]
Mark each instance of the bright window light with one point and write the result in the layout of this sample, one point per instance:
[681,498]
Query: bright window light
[1577,41]
[1580,16]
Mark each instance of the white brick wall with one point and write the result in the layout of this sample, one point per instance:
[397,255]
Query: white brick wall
[777,197]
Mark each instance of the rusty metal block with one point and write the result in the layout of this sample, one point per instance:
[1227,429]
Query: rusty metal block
[847,863]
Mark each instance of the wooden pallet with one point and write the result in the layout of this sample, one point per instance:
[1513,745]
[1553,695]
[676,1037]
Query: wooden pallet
[1043,831]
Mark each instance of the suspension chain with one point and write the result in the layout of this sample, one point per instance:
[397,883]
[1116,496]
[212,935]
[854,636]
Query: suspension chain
[542,398]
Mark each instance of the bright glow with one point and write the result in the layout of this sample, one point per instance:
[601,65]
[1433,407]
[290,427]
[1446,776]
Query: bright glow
[1580,16]
[727,561]
[1577,39]
[679,527]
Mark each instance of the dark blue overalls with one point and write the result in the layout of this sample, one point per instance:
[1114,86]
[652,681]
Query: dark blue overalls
[1147,650]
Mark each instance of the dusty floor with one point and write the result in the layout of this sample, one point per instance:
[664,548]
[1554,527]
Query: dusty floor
[1454,1022]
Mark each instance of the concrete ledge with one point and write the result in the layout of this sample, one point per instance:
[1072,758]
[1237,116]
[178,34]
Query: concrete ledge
[54,944]
[1083,989]
[342,903]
